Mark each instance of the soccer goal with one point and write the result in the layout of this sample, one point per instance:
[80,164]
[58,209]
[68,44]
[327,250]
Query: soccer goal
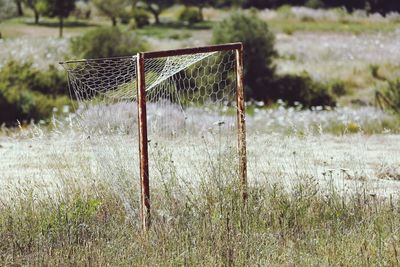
[182,98]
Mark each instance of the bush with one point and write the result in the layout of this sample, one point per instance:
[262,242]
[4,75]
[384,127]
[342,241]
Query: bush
[82,10]
[27,93]
[261,81]
[125,17]
[285,11]
[49,82]
[190,15]
[132,25]
[141,18]
[302,88]
[392,95]
[107,42]
[338,88]
[259,50]
[314,4]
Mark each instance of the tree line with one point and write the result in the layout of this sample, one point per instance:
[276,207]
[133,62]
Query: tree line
[114,9]
[372,6]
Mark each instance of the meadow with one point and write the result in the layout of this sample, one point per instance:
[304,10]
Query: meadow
[314,197]
[323,183]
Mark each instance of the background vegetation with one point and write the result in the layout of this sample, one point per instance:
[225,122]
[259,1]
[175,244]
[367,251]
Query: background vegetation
[27,93]
[135,23]
[107,42]
[323,159]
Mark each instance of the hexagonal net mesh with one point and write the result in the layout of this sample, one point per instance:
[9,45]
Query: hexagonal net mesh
[191,109]
[185,94]
[191,116]
[105,91]
[190,96]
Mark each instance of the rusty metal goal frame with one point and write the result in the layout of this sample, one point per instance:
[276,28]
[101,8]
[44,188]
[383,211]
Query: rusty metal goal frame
[142,118]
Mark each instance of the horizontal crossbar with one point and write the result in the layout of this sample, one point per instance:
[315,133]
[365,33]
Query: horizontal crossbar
[194,50]
[94,59]
[170,53]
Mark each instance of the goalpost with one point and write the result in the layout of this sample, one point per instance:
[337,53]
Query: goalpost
[181,94]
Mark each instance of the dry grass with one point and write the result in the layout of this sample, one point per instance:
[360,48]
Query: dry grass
[89,216]
[314,200]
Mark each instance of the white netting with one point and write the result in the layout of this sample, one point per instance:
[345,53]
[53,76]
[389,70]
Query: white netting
[105,92]
[186,93]
[191,112]
[189,93]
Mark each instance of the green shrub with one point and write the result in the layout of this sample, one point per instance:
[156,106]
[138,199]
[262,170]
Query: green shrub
[392,95]
[132,25]
[107,42]
[338,88]
[314,4]
[82,10]
[288,29]
[302,88]
[261,81]
[125,17]
[27,93]
[285,11]
[190,15]
[259,50]
[141,18]
[51,81]
[375,72]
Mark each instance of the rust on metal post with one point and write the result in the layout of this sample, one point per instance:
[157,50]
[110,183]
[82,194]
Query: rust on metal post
[143,143]
[189,51]
[241,122]
[170,53]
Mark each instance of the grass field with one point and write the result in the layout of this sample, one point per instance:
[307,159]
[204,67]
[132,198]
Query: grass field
[313,200]
[323,184]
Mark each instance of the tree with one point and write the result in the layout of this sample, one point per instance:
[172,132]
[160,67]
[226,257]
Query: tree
[7,10]
[34,5]
[350,5]
[107,42]
[58,8]
[200,4]
[259,50]
[228,3]
[155,7]
[383,6]
[20,11]
[261,4]
[111,8]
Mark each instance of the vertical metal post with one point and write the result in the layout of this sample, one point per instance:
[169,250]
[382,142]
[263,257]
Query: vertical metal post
[143,146]
[241,123]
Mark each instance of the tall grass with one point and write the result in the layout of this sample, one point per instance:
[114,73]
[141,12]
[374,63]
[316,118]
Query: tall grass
[88,220]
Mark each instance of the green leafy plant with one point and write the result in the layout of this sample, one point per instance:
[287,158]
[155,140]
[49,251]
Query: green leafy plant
[111,8]
[107,42]
[27,93]
[57,8]
[392,95]
[314,4]
[262,82]
[190,15]
[302,88]
[156,7]
[259,51]
[338,88]
[141,17]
